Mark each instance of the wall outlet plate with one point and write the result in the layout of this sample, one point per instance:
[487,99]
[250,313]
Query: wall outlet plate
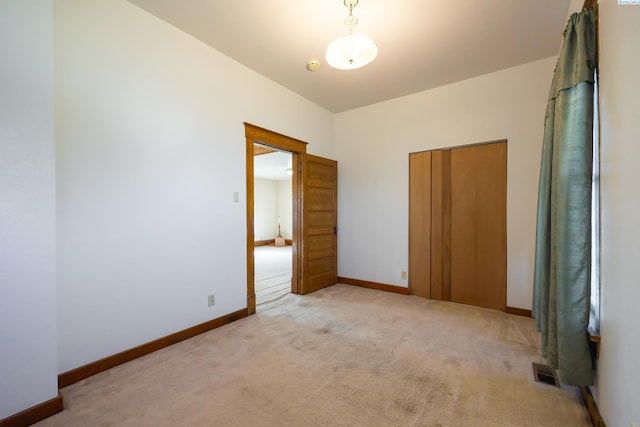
[211,300]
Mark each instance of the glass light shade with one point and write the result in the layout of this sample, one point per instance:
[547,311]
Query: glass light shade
[352,51]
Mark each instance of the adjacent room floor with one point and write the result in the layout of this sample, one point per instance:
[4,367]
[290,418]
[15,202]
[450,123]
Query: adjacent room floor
[273,269]
[342,356]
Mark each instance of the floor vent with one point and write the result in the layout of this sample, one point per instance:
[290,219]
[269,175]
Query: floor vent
[545,374]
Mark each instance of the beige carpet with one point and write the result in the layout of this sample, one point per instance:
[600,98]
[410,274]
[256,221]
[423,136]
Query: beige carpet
[343,356]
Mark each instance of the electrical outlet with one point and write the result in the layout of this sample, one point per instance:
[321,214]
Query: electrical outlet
[633,424]
[211,299]
[403,275]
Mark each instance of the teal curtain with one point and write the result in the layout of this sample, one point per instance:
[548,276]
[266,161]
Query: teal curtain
[561,299]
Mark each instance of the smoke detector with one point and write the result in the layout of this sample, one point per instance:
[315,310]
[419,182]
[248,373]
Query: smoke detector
[313,65]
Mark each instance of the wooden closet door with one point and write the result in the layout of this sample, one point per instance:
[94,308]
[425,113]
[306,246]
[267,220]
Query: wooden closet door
[478,225]
[420,224]
[441,225]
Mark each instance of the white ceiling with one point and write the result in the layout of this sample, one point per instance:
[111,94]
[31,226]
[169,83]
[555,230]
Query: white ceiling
[272,166]
[422,44]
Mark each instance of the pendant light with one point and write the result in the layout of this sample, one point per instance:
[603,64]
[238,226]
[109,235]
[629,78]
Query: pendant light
[354,50]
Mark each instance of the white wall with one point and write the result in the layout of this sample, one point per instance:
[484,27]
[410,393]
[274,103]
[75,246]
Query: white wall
[285,208]
[373,145]
[272,199]
[150,148]
[265,202]
[618,379]
[28,355]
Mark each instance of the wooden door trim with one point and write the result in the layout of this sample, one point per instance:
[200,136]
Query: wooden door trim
[255,134]
[453,147]
[274,139]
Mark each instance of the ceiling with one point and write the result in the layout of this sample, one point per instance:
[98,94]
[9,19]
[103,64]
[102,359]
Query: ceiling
[422,44]
[272,166]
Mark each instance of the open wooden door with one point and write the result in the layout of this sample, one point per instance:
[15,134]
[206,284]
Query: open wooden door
[319,267]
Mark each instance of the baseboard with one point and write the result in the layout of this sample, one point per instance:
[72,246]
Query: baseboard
[70,377]
[518,311]
[592,408]
[374,285]
[405,291]
[35,413]
[271,242]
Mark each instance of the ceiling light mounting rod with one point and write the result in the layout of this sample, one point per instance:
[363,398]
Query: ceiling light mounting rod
[351,21]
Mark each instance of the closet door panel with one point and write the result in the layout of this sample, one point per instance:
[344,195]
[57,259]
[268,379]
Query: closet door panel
[420,224]
[441,225]
[478,225]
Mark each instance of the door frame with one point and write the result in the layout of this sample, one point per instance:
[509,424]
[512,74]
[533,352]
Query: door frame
[255,134]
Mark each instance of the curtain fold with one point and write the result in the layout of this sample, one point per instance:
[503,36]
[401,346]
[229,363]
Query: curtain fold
[561,298]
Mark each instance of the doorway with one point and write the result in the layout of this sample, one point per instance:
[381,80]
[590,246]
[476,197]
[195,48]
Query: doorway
[259,137]
[273,207]
[314,217]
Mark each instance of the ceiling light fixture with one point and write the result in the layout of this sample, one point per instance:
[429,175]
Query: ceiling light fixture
[354,50]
